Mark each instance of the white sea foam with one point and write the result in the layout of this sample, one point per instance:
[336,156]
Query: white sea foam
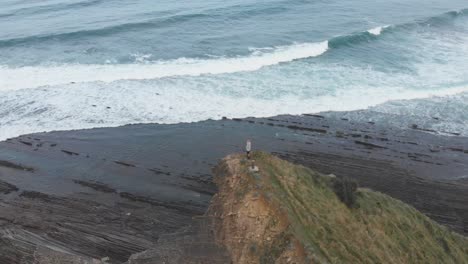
[377,31]
[199,92]
[37,76]
[82,106]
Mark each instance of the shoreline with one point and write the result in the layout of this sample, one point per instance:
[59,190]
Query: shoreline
[166,170]
[360,108]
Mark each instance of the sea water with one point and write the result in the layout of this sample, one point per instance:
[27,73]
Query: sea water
[71,64]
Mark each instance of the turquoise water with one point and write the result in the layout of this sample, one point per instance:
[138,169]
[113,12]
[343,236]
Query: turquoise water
[90,63]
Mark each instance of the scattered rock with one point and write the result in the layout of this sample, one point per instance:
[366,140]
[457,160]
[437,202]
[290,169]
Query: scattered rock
[26,143]
[96,186]
[160,172]
[12,165]
[317,130]
[124,163]
[71,153]
[313,115]
[370,145]
[7,188]
[34,195]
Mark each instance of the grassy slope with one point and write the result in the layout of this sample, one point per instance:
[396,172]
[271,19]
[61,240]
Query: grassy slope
[379,230]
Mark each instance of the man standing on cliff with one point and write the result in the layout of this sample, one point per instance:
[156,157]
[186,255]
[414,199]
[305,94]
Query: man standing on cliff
[248,148]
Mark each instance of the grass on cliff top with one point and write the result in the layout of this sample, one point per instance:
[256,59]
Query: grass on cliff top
[378,229]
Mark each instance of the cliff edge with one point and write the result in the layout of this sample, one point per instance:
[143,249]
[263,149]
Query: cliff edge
[286,213]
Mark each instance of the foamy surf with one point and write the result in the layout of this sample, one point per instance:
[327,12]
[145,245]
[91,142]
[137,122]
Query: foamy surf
[83,106]
[377,30]
[37,76]
[82,80]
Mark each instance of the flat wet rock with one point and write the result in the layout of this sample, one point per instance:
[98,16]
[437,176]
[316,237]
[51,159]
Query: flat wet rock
[161,175]
[12,165]
[7,188]
[81,227]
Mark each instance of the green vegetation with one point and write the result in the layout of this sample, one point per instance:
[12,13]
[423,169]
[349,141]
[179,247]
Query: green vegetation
[374,229]
[345,189]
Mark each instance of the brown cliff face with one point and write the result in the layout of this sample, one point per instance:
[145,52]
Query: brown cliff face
[249,224]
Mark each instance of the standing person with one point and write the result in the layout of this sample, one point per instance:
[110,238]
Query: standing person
[248,148]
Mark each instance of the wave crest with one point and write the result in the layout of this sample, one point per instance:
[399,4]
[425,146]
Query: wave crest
[36,76]
[377,31]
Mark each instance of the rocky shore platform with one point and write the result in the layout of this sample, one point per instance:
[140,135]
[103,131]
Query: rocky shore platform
[101,195]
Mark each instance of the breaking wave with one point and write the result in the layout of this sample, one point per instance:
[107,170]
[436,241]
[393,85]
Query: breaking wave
[14,78]
[36,76]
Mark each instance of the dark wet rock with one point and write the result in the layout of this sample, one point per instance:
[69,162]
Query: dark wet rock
[34,195]
[194,244]
[313,115]
[317,130]
[160,172]
[340,134]
[457,149]
[172,184]
[126,164]
[71,153]
[98,186]
[27,143]
[44,255]
[7,188]
[188,209]
[416,127]
[367,144]
[15,166]
[79,228]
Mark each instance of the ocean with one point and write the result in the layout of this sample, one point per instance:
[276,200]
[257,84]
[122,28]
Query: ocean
[78,64]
